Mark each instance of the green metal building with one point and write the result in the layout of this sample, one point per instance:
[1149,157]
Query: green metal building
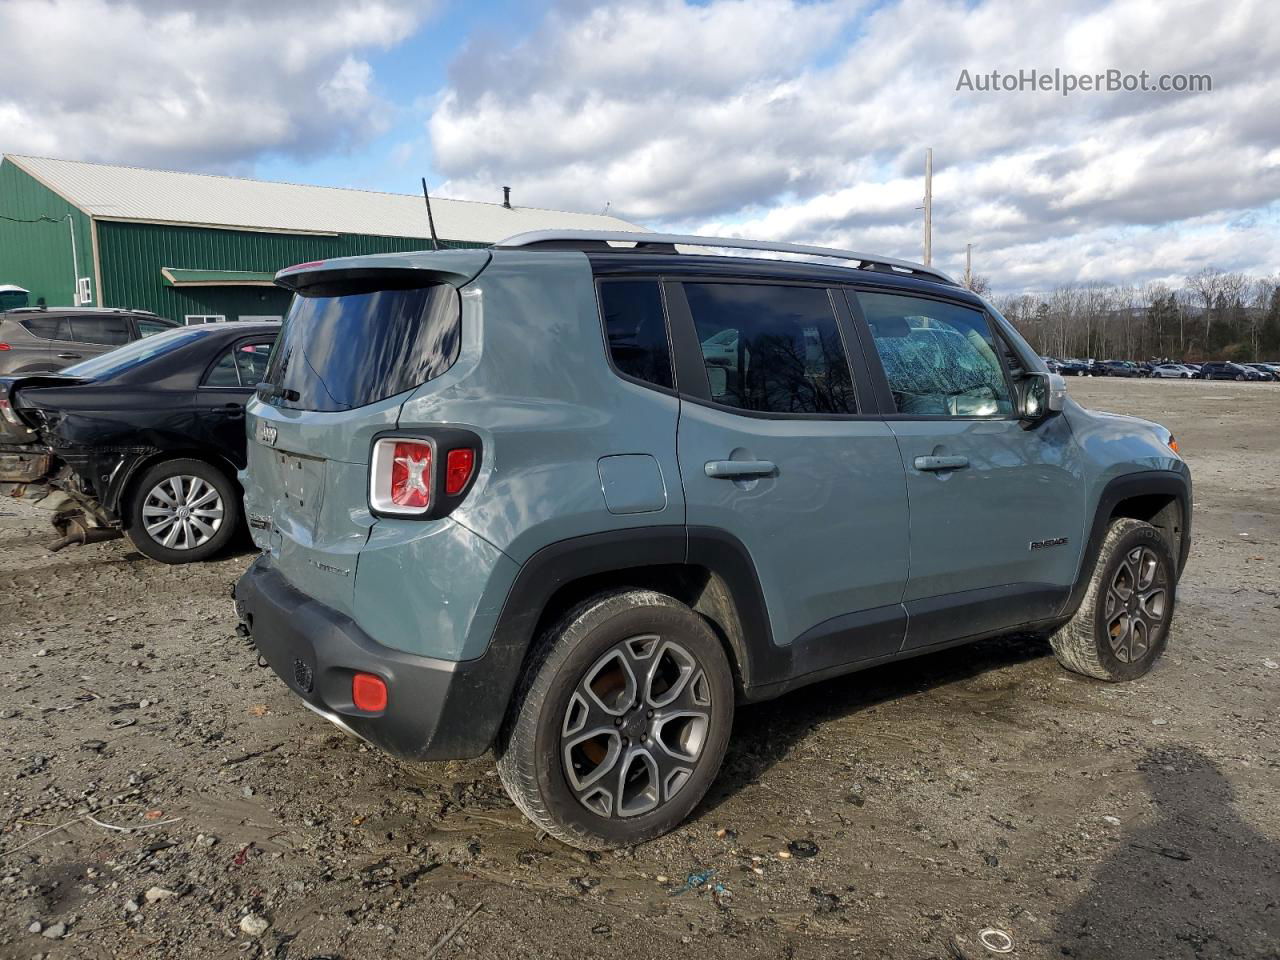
[200,248]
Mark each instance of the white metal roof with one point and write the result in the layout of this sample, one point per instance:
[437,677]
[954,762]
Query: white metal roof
[166,196]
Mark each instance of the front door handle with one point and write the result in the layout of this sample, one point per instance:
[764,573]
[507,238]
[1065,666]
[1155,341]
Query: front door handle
[941,463]
[69,356]
[735,469]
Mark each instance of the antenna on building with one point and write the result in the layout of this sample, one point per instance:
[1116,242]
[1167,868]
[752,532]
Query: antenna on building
[506,197]
[435,241]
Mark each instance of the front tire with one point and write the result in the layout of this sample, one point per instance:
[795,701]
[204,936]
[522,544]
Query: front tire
[182,511]
[621,722]
[1122,625]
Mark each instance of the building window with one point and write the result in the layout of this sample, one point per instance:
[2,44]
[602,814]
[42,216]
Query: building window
[194,318]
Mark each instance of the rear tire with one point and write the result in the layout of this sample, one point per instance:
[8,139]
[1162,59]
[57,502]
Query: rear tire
[647,673]
[182,511]
[1122,625]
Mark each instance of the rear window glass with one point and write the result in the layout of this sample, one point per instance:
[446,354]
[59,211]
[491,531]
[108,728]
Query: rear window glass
[338,353]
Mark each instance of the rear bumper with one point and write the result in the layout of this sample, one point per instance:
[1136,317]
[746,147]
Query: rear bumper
[436,709]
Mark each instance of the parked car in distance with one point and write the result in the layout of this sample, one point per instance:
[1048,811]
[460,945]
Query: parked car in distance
[40,339]
[1070,367]
[1194,368]
[1176,371]
[1269,371]
[482,528]
[1225,370]
[144,440]
[1120,368]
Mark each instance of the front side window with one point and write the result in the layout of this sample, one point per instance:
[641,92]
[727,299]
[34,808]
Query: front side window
[111,331]
[636,330]
[771,348]
[939,358]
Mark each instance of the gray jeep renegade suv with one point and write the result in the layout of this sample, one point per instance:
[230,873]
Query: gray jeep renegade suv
[573,500]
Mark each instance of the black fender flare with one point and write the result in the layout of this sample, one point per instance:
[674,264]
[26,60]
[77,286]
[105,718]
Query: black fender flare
[1143,483]
[564,562]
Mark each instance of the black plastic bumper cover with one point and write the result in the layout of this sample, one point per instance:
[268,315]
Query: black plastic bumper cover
[436,709]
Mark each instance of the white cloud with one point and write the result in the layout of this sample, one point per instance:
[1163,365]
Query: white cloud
[193,85]
[807,121]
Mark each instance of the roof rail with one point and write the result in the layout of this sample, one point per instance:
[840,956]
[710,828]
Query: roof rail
[667,243]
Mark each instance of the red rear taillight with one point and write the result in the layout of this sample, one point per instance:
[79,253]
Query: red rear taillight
[4,346]
[458,466]
[368,692]
[411,474]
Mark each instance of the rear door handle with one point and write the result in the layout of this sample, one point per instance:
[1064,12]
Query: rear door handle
[941,463]
[69,356]
[235,410]
[732,469]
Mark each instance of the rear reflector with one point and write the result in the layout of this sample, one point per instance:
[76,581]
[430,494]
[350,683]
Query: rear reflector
[458,467]
[368,692]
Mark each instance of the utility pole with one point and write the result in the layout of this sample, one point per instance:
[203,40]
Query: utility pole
[928,207]
[968,266]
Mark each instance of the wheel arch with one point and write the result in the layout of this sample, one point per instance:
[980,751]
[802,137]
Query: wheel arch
[708,570]
[1159,497]
[119,493]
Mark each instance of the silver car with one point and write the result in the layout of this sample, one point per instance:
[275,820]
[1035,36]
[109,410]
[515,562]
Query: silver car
[1175,371]
[40,339]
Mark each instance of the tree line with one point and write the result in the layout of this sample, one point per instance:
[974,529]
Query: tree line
[1214,315]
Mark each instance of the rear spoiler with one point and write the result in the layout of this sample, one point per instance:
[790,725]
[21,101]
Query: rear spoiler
[391,271]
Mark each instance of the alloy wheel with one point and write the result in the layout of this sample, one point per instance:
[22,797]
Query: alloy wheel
[182,512]
[635,727]
[1137,600]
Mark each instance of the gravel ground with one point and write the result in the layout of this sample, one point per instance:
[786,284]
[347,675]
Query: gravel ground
[893,813]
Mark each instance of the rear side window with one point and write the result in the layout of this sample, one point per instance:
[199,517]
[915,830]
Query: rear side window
[111,331]
[44,327]
[773,349]
[244,365]
[939,358]
[342,352]
[636,330]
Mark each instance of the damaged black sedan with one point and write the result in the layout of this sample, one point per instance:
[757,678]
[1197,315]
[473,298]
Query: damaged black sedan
[143,441]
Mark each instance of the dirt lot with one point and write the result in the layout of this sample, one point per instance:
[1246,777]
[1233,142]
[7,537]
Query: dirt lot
[984,787]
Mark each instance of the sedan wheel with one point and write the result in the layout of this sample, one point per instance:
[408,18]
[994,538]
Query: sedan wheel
[182,512]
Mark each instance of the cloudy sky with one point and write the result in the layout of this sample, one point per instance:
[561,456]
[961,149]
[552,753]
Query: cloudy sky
[779,119]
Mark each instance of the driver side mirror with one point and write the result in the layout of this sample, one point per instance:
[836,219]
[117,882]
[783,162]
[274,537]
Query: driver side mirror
[1040,395]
